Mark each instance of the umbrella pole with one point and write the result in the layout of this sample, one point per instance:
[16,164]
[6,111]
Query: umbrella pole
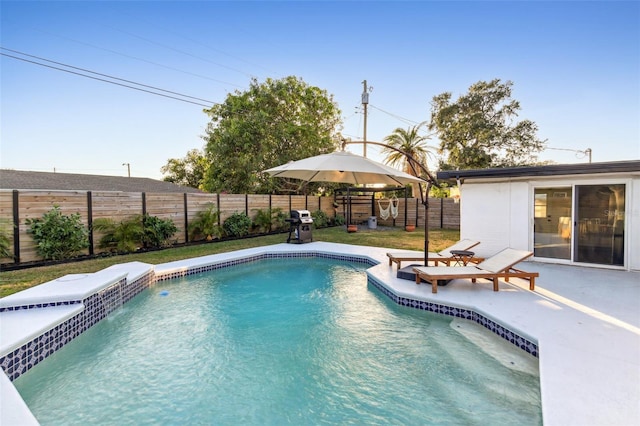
[426,224]
[348,207]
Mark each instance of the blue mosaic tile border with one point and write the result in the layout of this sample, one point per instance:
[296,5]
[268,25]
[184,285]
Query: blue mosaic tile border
[282,255]
[96,307]
[496,328]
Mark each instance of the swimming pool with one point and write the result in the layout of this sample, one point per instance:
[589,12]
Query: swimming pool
[277,341]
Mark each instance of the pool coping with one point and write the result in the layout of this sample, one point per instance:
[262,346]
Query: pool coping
[567,398]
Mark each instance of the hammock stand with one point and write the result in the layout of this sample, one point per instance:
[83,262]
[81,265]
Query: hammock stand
[392,208]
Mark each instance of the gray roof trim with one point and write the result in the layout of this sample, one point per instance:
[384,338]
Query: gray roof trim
[551,170]
[46,181]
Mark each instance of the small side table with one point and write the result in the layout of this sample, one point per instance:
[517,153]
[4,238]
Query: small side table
[462,257]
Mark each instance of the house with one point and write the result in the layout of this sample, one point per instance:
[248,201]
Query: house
[587,214]
[26,180]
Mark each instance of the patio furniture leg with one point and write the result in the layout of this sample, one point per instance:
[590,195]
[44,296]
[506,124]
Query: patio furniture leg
[495,284]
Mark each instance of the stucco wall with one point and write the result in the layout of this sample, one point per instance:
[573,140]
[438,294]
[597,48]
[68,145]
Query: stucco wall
[496,215]
[633,228]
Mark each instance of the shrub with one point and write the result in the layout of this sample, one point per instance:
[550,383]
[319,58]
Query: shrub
[320,219]
[122,237]
[237,225]
[58,236]
[205,225]
[263,220]
[266,220]
[280,219]
[157,231]
[339,220]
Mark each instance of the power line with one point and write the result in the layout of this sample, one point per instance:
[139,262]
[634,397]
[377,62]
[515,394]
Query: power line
[584,152]
[108,81]
[139,59]
[405,120]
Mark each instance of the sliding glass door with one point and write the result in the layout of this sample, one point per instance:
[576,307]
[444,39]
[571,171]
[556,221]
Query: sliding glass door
[582,223]
[600,224]
[552,223]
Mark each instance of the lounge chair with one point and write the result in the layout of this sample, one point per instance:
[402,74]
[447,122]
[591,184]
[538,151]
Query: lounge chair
[443,256]
[497,266]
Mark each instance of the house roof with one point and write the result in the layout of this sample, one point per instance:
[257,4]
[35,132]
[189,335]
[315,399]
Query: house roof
[614,167]
[21,180]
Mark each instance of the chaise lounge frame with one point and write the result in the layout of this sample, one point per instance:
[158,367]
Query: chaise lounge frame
[443,256]
[493,268]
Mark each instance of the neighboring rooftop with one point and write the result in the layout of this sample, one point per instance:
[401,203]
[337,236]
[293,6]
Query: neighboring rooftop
[21,180]
[632,166]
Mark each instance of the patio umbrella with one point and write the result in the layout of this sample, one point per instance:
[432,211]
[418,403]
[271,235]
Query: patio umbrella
[344,167]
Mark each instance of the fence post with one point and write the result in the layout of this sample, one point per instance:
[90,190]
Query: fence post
[186,219]
[406,208]
[246,204]
[90,222]
[16,227]
[441,213]
[218,206]
[144,203]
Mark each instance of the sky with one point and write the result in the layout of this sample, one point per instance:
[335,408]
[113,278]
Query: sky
[575,68]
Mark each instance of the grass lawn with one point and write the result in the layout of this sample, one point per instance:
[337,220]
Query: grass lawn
[397,238]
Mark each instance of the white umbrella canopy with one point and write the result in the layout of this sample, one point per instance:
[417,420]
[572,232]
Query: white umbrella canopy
[343,166]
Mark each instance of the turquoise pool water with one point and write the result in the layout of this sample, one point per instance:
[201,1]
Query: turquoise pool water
[286,341]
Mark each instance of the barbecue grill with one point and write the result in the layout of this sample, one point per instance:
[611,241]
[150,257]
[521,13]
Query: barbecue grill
[300,222]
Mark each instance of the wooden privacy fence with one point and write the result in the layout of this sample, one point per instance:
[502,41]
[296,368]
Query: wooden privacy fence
[18,206]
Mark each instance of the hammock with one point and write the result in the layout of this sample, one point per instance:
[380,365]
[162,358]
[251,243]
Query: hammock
[390,210]
[394,206]
[384,212]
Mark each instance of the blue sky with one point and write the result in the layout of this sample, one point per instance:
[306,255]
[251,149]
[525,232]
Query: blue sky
[575,68]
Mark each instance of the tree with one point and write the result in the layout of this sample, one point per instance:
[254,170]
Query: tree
[478,130]
[412,143]
[266,126]
[188,171]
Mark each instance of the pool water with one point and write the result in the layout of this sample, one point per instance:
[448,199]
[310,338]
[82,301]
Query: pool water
[286,341]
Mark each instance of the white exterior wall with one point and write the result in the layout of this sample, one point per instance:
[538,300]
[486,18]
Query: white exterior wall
[500,214]
[633,224]
[495,214]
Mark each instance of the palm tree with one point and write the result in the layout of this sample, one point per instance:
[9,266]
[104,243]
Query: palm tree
[410,142]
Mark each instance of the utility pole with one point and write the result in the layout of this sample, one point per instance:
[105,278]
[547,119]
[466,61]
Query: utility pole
[128,168]
[365,102]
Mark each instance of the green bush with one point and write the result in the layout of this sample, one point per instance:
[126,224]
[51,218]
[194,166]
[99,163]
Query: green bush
[320,219]
[130,234]
[266,220]
[263,220]
[58,236]
[122,237]
[339,220]
[280,219]
[205,225]
[157,231]
[237,225]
